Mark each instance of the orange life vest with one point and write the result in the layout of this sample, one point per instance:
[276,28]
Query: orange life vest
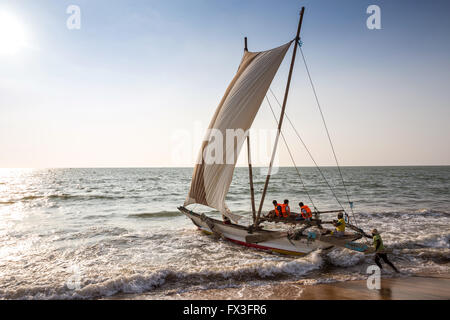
[306,212]
[285,210]
[277,212]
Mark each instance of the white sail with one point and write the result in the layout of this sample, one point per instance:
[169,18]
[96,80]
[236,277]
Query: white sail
[236,111]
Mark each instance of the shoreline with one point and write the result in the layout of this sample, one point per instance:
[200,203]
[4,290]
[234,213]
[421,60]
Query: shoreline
[413,287]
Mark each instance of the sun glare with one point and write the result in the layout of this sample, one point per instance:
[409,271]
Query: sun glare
[12,34]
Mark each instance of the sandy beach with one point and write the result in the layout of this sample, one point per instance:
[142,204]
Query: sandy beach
[418,287]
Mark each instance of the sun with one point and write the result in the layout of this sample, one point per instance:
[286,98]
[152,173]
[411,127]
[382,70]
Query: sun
[13,35]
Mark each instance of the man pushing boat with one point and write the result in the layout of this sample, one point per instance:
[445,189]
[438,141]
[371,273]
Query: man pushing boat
[380,250]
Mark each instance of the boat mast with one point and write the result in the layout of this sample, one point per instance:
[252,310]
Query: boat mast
[280,122]
[249,158]
[250,173]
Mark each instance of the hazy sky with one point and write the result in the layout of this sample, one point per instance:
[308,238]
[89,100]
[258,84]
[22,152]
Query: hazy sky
[138,83]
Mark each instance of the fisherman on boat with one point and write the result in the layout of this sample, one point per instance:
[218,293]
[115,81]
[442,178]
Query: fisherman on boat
[305,211]
[276,211]
[339,230]
[285,210]
[379,248]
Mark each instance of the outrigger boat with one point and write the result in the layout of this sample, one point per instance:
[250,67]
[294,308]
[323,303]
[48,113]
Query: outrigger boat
[211,180]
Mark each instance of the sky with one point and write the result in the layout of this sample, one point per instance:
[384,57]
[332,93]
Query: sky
[137,84]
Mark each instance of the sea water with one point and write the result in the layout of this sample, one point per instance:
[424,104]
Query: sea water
[102,233]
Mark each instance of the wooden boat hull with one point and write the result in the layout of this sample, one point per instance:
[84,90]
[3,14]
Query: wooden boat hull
[237,233]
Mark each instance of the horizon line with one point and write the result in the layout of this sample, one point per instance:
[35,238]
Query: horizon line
[191,167]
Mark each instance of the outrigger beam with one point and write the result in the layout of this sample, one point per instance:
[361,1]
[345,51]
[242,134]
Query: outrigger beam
[283,108]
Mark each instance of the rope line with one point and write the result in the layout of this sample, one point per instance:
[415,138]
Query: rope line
[328,133]
[290,154]
[309,153]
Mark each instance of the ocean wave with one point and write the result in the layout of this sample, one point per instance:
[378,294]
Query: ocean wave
[403,214]
[149,179]
[439,256]
[158,214]
[145,282]
[84,197]
[7,202]
[344,257]
[125,284]
[68,197]
[434,241]
[93,232]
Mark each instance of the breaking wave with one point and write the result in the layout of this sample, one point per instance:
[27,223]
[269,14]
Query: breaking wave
[344,258]
[435,241]
[145,282]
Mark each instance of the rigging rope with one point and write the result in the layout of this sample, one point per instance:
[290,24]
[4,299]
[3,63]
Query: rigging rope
[292,158]
[328,133]
[309,153]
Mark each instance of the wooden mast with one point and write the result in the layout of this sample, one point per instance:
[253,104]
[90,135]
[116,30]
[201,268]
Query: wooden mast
[286,93]
[249,158]
[250,174]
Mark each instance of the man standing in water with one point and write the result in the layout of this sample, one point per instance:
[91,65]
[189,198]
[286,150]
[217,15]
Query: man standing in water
[379,247]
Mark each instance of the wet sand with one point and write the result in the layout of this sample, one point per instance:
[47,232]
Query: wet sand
[419,287]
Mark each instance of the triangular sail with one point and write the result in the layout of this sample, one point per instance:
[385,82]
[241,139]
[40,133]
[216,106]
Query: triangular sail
[236,111]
